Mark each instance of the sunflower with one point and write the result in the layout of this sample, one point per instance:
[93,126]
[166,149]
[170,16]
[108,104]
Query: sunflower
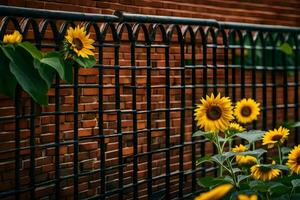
[244,159]
[275,136]
[246,110]
[236,128]
[239,148]
[247,197]
[216,193]
[214,113]
[294,160]
[80,42]
[13,38]
[263,173]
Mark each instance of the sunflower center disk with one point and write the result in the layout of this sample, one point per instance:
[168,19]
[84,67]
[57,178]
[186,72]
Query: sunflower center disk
[78,43]
[214,113]
[276,137]
[246,111]
[298,160]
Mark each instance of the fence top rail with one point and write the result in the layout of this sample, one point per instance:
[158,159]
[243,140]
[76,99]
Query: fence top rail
[139,18]
[55,14]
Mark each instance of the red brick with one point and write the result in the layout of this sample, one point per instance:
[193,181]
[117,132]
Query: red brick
[87,146]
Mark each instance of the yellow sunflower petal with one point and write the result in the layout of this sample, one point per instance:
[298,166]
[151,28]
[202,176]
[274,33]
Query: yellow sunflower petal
[216,193]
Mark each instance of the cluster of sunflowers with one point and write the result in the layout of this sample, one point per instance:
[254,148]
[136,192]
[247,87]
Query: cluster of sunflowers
[247,171]
[23,64]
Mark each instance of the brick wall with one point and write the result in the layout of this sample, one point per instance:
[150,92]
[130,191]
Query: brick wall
[258,11]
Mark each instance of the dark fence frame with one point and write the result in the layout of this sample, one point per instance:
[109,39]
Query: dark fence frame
[117,23]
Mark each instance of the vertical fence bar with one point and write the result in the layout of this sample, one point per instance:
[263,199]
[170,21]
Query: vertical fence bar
[214,62]
[32,148]
[182,119]
[56,137]
[204,62]
[75,142]
[215,74]
[134,121]
[242,64]
[194,127]
[253,71]
[100,122]
[226,72]
[285,86]
[149,130]
[264,87]
[233,61]
[17,142]
[167,117]
[119,123]
[296,87]
[274,93]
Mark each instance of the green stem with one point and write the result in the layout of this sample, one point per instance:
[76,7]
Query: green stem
[234,178]
[279,153]
[253,146]
[218,145]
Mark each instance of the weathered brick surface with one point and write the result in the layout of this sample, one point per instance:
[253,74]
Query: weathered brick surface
[260,11]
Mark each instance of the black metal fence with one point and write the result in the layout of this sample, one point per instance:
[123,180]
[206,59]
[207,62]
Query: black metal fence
[151,72]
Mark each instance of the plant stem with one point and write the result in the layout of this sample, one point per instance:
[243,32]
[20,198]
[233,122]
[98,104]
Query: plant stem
[253,146]
[219,152]
[279,153]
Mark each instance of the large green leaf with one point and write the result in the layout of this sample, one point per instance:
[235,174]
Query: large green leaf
[8,81]
[278,189]
[53,59]
[21,65]
[295,183]
[46,72]
[199,133]
[35,53]
[256,152]
[85,62]
[252,135]
[211,182]
[201,160]
[242,177]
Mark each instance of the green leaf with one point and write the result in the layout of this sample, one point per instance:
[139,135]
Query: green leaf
[286,48]
[242,177]
[236,170]
[46,72]
[8,81]
[199,133]
[35,53]
[21,65]
[259,185]
[295,196]
[278,189]
[295,183]
[296,124]
[285,150]
[85,62]
[53,59]
[218,158]
[256,152]
[206,158]
[281,167]
[68,70]
[251,136]
[211,182]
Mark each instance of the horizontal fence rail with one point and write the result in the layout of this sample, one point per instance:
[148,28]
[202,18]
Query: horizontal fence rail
[123,129]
